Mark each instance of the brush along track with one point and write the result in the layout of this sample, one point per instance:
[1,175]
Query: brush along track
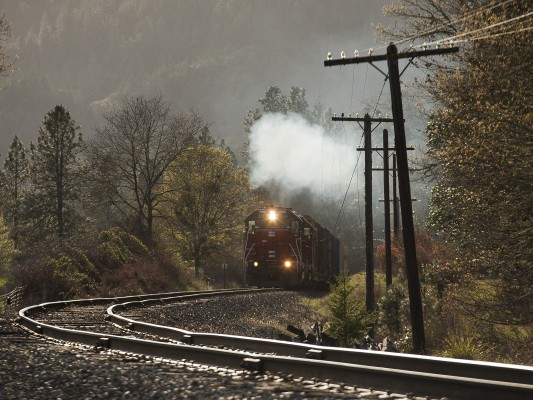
[397,372]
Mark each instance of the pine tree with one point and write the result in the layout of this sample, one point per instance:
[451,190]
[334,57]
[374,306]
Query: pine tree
[349,320]
[14,184]
[56,172]
[7,250]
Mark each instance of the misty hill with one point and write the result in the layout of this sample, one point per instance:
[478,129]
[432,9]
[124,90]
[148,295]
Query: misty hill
[216,56]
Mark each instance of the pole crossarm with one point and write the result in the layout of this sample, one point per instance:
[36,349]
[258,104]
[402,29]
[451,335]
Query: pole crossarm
[361,119]
[383,57]
[381,148]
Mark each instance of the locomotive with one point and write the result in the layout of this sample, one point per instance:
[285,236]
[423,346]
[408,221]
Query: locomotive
[285,249]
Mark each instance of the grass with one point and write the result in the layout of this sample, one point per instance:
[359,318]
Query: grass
[465,348]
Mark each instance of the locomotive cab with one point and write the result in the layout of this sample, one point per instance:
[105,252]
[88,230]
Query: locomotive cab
[273,248]
[285,249]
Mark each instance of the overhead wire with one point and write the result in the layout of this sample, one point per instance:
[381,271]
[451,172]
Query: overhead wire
[439,41]
[347,188]
[435,29]
[495,25]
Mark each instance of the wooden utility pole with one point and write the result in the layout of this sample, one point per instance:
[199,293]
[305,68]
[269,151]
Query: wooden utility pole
[395,208]
[369,222]
[413,282]
[387,200]
[386,195]
[409,243]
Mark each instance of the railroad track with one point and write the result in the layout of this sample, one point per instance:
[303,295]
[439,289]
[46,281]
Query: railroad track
[113,323]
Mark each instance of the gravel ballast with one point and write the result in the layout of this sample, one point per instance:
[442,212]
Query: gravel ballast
[35,367]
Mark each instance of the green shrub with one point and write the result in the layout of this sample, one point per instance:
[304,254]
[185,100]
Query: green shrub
[392,308]
[117,247]
[68,280]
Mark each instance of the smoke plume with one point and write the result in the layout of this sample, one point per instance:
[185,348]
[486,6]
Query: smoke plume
[295,154]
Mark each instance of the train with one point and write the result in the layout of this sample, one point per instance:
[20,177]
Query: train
[285,249]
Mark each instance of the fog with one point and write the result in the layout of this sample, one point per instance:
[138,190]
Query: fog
[215,56]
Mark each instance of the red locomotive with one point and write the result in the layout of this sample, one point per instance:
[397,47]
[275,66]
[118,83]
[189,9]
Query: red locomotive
[285,249]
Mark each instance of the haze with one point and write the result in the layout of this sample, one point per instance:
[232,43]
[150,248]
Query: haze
[215,56]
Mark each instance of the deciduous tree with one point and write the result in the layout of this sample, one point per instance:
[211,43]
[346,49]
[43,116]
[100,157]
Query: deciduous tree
[207,197]
[480,145]
[131,152]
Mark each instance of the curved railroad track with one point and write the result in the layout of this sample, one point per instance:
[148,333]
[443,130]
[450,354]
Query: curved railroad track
[113,323]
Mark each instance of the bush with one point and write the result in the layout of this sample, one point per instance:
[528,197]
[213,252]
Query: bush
[393,311]
[68,280]
[117,247]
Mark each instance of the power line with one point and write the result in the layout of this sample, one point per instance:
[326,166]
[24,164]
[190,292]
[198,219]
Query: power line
[498,24]
[348,187]
[380,93]
[474,13]
[452,23]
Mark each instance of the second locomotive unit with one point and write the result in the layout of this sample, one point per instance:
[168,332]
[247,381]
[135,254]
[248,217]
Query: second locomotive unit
[285,249]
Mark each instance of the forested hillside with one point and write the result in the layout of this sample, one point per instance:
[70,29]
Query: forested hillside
[216,56]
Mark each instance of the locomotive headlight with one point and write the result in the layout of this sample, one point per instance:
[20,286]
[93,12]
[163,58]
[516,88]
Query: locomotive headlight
[256,264]
[272,215]
[287,264]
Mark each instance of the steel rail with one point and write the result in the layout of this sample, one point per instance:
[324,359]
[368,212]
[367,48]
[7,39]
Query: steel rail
[429,364]
[389,371]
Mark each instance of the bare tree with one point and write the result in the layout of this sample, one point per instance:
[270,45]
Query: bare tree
[130,154]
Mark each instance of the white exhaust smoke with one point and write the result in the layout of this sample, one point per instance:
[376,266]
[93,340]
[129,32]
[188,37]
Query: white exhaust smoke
[289,150]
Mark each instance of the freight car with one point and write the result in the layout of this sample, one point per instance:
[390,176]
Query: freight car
[285,249]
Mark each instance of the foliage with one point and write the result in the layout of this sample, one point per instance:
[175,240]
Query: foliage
[68,280]
[14,182]
[5,33]
[130,155]
[480,144]
[393,310]
[205,202]
[8,252]
[479,138]
[349,320]
[56,174]
[116,247]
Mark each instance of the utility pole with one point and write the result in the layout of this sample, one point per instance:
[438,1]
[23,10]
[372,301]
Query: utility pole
[369,223]
[395,208]
[409,243]
[413,281]
[386,195]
